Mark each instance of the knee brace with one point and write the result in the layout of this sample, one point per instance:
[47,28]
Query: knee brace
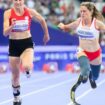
[84,66]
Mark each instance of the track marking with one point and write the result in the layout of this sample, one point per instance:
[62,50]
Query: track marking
[39,90]
[87,92]
[33,81]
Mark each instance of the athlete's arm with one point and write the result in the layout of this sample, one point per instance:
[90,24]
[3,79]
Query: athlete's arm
[100,25]
[7,29]
[36,15]
[70,26]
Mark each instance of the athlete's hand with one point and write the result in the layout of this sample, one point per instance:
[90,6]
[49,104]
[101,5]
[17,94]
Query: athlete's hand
[13,23]
[12,26]
[46,38]
[61,26]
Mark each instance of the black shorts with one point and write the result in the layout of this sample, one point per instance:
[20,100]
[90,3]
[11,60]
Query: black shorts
[16,47]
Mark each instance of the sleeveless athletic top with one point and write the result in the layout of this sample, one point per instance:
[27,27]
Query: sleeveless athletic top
[22,22]
[86,32]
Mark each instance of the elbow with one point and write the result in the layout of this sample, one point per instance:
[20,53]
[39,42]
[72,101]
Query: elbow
[5,34]
[42,20]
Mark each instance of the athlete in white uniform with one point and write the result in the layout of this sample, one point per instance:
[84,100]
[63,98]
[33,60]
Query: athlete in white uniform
[88,32]
[87,27]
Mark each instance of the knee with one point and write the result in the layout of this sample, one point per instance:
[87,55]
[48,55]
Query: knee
[15,74]
[95,77]
[86,68]
[85,71]
[84,79]
[26,66]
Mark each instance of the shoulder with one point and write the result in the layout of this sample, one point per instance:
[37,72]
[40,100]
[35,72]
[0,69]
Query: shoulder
[78,20]
[28,9]
[99,23]
[31,11]
[7,13]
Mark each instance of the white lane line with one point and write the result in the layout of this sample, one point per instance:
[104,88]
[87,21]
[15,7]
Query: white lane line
[87,92]
[40,90]
[33,81]
[3,78]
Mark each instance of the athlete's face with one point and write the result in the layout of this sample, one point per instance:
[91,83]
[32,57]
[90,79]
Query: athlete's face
[18,3]
[85,13]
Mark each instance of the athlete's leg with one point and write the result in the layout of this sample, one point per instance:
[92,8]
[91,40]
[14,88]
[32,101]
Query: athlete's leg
[94,74]
[84,68]
[84,74]
[95,70]
[73,89]
[27,60]
[14,63]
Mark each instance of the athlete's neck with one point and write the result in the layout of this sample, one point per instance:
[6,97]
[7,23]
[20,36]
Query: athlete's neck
[19,11]
[87,22]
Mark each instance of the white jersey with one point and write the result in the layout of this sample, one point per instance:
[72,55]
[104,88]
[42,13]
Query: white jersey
[86,32]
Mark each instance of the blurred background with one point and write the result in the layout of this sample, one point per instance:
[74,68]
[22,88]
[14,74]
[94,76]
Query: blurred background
[60,52]
[55,65]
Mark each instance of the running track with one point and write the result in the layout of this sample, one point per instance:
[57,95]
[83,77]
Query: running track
[51,89]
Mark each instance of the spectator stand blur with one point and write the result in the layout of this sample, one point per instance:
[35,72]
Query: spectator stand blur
[3,68]
[56,11]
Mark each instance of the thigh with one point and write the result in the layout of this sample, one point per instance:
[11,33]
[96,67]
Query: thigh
[84,65]
[97,61]
[27,56]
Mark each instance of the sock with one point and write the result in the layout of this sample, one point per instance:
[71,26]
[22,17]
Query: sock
[16,93]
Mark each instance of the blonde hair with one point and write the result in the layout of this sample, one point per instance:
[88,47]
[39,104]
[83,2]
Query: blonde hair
[92,8]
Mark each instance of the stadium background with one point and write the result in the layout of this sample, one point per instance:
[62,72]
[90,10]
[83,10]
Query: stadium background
[59,53]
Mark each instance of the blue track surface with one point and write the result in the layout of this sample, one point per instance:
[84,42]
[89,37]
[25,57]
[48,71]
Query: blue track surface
[51,89]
